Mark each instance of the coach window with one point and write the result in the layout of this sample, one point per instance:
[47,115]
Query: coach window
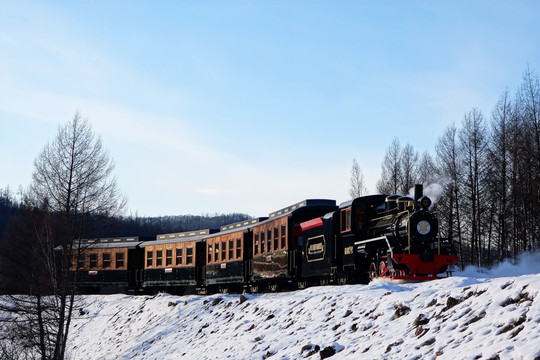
[223,251]
[345,220]
[216,254]
[159,257]
[93,260]
[106,260]
[189,255]
[168,257]
[263,242]
[360,218]
[149,258]
[231,249]
[256,244]
[209,253]
[80,261]
[276,238]
[119,258]
[269,240]
[238,248]
[178,256]
[283,236]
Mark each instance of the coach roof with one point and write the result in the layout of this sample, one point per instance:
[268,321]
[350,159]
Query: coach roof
[242,224]
[102,243]
[194,235]
[302,204]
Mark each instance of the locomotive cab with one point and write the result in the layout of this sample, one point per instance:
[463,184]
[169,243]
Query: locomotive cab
[354,225]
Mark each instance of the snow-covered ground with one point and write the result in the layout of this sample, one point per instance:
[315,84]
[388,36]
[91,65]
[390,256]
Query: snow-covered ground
[474,315]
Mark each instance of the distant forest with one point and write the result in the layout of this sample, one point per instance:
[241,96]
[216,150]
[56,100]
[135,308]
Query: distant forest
[146,228]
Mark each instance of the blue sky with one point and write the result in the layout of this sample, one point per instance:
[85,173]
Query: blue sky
[249,106]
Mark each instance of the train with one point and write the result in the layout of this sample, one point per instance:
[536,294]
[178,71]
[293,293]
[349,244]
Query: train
[312,242]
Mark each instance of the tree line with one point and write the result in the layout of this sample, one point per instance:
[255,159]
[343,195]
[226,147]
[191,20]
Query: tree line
[487,168]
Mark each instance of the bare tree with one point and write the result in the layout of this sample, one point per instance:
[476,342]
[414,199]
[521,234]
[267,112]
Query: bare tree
[74,173]
[72,186]
[426,170]
[358,184]
[390,181]
[450,172]
[409,168]
[529,103]
[473,147]
[499,156]
[528,110]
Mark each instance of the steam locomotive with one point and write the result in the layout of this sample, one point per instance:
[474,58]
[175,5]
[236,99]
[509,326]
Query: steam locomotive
[313,242]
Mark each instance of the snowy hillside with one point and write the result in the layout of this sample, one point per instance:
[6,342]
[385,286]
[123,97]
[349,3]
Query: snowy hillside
[470,316]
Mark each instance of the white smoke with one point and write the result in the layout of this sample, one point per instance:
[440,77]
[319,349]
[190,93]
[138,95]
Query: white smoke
[433,191]
[527,263]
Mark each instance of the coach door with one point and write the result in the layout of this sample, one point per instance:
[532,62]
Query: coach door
[200,262]
[248,255]
[135,267]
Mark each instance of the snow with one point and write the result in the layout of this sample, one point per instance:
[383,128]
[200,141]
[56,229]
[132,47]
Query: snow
[476,314]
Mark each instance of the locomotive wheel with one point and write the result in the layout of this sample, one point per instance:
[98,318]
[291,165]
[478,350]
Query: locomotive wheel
[383,268]
[373,273]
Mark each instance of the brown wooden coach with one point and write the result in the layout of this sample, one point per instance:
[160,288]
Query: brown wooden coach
[228,255]
[111,264]
[174,262]
[276,250]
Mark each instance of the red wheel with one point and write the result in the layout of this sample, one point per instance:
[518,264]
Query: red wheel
[383,269]
[373,273]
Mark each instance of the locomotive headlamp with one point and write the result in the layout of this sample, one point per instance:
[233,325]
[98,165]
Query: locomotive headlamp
[425,202]
[423,227]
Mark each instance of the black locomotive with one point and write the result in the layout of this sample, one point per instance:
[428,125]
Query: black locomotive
[313,242]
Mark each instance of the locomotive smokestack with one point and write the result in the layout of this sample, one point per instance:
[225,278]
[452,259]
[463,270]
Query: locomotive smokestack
[418,192]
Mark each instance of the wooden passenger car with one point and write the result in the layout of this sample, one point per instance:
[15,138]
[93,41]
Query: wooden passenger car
[174,261]
[227,256]
[276,253]
[107,265]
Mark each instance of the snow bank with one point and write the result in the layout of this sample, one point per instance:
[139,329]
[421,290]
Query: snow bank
[464,317]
